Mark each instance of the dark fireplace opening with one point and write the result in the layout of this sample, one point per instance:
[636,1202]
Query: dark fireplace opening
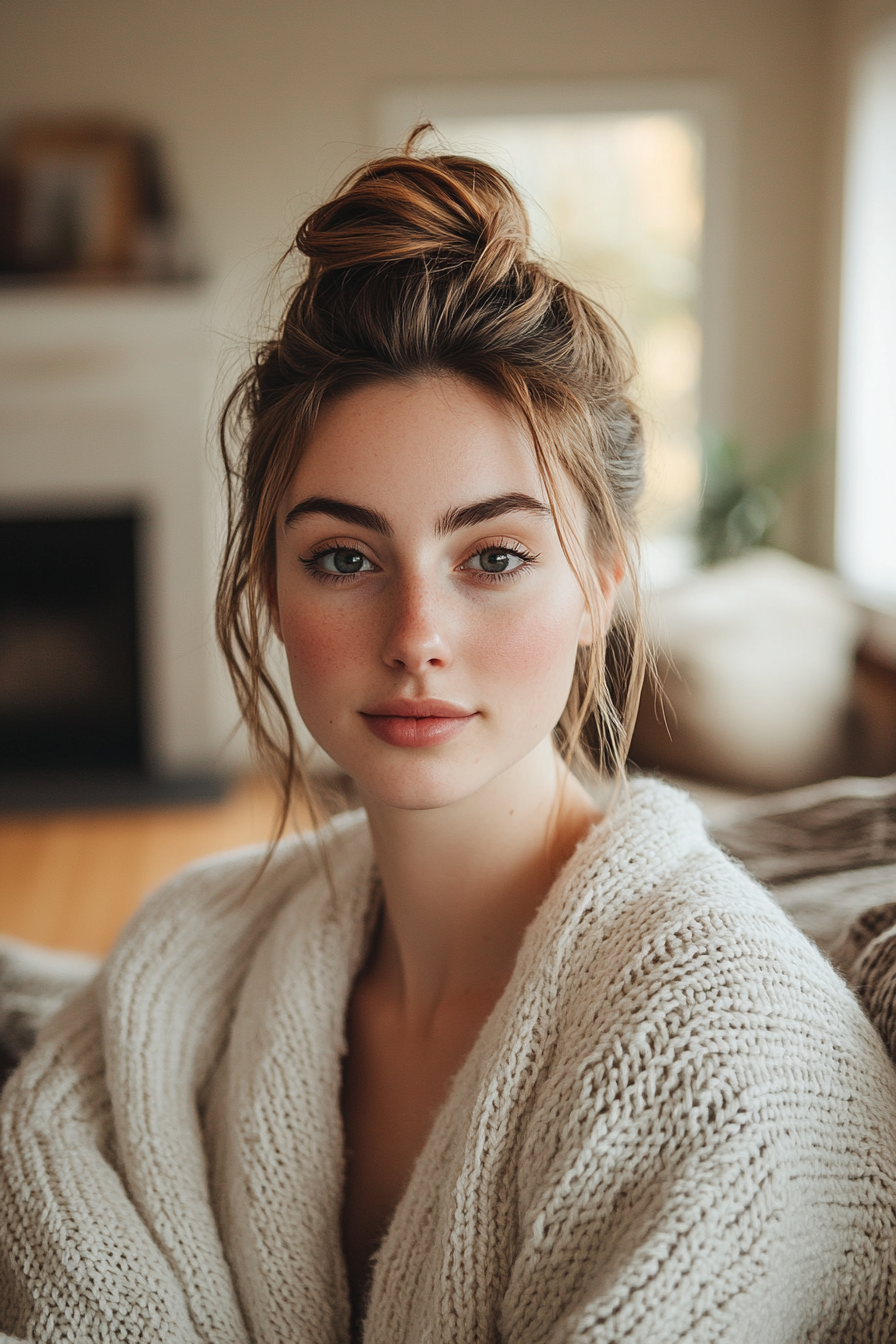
[72,703]
[70,674]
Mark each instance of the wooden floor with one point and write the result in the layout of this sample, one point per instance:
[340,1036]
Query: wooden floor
[70,880]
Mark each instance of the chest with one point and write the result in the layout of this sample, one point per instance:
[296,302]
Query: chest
[395,1081]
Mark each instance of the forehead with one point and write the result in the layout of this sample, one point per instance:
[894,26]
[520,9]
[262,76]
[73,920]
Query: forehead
[419,445]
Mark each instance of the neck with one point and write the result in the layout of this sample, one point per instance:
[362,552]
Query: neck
[463,882]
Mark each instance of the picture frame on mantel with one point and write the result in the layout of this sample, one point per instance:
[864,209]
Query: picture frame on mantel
[76,198]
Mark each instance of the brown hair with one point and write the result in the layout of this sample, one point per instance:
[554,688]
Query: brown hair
[420,264]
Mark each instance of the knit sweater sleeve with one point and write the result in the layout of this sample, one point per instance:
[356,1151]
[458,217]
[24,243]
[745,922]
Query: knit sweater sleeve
[713,1156]
[67,1219]
[106,1230]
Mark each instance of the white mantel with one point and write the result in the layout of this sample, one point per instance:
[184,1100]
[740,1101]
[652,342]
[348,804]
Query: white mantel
[103,400]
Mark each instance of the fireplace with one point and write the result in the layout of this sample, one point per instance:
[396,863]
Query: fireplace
[108,664]
[70,679]
[72,702]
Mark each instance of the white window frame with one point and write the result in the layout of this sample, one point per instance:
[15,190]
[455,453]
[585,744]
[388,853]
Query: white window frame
[866,401]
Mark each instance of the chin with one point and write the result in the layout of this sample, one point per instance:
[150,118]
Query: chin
[407,781]
[416,788]
[402,801]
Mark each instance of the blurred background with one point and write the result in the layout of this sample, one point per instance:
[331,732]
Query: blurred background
[721,174]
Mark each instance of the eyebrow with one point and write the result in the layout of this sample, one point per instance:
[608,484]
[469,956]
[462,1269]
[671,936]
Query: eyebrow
[467,515]
[470,514]
[355,514]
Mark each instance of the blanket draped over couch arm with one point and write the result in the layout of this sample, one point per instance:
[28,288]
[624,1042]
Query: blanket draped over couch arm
[828,853]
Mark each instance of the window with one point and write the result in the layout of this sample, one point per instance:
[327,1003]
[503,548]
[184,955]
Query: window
[866,465]
[616,191]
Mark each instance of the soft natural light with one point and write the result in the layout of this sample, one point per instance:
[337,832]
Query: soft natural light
[619,206]
[866,470]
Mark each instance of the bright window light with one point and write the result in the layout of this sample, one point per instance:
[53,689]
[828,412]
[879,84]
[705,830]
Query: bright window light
[618,206]
[866,464]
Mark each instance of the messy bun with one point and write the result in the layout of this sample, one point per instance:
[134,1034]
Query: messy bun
[421,264]
[457,209]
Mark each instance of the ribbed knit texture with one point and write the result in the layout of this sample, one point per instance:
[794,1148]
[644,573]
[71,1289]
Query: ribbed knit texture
[676,1125]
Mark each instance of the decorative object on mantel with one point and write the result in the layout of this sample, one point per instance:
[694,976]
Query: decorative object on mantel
[84,199]
[754,661]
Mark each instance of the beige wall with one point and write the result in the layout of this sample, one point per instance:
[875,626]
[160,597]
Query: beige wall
[262,105]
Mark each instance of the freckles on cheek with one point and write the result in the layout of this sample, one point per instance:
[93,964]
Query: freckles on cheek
[318,648]
[533,651]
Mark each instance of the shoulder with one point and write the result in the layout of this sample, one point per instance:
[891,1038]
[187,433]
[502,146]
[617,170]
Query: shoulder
[705,1096]
[179,963]
[238,888]
[179,966]
[672,929]
[652,863]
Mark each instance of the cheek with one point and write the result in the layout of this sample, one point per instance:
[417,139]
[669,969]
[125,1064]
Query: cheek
[321,649]
[534,652]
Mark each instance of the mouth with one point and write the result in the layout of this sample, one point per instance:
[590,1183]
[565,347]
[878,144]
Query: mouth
[417,723]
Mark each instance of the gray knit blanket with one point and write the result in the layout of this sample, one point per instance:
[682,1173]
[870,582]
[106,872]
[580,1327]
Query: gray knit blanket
[827,852]
[34,984]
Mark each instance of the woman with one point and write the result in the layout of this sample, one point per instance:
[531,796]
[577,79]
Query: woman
[487,1063]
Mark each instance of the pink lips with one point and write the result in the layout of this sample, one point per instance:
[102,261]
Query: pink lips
[416,723]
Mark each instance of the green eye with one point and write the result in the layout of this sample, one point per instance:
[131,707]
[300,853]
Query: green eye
[496,560]
[342,561]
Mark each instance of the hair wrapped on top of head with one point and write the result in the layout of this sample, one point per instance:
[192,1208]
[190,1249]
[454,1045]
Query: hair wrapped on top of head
[421,264]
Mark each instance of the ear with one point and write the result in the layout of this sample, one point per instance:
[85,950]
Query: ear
[609,578]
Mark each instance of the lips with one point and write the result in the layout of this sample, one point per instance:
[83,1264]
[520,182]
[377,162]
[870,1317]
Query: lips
[416,723]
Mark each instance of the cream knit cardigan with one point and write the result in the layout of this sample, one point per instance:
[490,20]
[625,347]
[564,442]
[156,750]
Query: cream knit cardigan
[676,1124]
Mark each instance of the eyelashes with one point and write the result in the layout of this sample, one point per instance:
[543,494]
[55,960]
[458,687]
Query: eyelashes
[499,562]
[347,561]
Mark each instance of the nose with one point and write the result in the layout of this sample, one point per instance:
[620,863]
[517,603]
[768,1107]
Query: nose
[417,639]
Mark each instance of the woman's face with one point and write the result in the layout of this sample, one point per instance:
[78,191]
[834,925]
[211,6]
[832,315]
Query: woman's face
[429,615]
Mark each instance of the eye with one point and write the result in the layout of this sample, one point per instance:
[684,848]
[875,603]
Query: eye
[339,562]
[496,560]
[342,561]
